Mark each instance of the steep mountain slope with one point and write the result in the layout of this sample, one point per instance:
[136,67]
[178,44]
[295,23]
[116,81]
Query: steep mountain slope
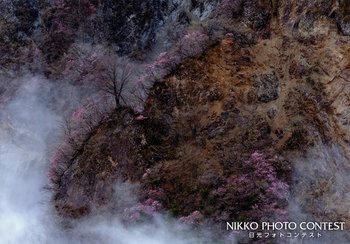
[284,94]
[253,128]
[47,29]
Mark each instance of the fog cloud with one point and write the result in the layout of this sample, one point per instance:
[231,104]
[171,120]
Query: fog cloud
[29,128]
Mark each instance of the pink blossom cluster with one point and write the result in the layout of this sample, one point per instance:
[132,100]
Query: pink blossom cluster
[156,193]
[192,44]
[136,213]
[146,174]
[261,168]
[141,117]
[194,218]
[79,114]
[259,186]
[163,64]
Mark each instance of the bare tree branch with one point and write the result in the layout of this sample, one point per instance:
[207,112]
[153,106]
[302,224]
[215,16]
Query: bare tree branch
[115,77]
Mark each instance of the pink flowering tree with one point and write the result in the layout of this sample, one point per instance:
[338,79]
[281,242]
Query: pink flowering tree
[259,190]
[148,206]
[141,211]
[163,64]
[193,219]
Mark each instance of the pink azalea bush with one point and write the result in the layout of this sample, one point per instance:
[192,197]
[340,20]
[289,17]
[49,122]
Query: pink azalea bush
[79,126]
[141,211]
[191,44]
[195,218]
[259,191]
[163,64]
[149,205]
[140,117]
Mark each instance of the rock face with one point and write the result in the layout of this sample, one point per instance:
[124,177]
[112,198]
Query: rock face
[266,88]
[52,26]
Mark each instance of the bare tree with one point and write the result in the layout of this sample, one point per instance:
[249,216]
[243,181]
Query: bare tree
[115,78]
